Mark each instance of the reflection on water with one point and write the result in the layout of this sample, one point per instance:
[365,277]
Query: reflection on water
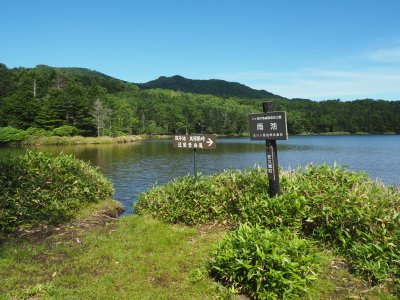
[135,167]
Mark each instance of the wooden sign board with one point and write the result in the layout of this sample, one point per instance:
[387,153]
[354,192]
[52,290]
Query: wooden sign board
[268,126]
[195,141]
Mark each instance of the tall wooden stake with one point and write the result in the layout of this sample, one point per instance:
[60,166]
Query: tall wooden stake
[272,159]
[194,163]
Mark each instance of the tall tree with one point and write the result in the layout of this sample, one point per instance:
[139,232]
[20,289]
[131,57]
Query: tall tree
[100,114]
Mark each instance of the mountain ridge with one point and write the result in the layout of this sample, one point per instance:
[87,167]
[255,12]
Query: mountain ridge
[217,87]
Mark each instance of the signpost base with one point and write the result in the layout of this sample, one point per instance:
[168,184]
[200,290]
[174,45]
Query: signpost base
[272,159]
[272,168]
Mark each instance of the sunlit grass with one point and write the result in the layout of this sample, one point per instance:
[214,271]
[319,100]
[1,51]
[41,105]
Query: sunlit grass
[77,140]
[134,258]
[141,258]
[351,221]
[334,281]
[343,210]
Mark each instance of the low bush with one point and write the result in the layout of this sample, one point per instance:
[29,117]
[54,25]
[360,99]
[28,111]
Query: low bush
[38,132]
[358,217]
[224,197]
[37,189]
[354,215]
[11,135]
[66,130]
[265,264]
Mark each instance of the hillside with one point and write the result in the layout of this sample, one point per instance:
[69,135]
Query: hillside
[88,77]
[91,103]
[60,75]
[17,79]
[215,87]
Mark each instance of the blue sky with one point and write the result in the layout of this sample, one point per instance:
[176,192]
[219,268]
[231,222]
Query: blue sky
[343,49]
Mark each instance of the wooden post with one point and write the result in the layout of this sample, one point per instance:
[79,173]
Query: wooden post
[194,163]
[272,159]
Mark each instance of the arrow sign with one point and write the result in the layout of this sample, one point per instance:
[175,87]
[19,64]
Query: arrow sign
[209,142]
[194,141]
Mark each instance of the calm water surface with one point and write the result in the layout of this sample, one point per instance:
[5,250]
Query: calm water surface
[134,168]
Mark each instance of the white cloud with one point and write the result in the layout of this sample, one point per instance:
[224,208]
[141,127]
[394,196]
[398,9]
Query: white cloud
[321,83]
[388,55]
[328,84]
[370,74]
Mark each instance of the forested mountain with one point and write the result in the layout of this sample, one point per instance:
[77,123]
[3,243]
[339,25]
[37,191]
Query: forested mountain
[215,87]
[59,101]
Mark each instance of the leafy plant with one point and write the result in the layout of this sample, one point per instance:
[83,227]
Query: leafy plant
[37,189]
[10,134]
[224,197]
[66,130]
[265,264]
[357,217]
[38,132]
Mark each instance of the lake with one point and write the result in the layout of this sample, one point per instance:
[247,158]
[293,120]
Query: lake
[135,167]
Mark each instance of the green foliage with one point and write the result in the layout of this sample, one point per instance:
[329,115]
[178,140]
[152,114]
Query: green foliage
[265,264]
[359,217]
[345,210]
[133,258]
[225,198]
[38,189]
[215,87]
[66,130]
[13,135]
[10,134]
[37,132]
[48,98]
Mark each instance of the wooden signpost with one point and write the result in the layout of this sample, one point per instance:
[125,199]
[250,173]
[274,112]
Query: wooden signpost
[195,141]
[270,126]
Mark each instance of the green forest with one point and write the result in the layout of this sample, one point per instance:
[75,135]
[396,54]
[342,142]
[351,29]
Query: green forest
[77,101]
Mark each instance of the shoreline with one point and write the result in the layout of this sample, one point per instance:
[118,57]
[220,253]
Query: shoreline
[81,140]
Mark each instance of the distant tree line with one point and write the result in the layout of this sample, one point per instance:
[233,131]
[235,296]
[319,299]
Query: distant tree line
[358,116]
[92,104]
[214,87]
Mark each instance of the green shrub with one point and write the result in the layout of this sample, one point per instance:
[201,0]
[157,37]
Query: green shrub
[11,135]
[38,189]
[265,264]
[38,132]
[66,130]
[224,197]
[117,133]
[357,217]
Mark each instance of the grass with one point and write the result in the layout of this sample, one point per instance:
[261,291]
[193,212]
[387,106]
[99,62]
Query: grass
[137,257]
[351,222]
[341,210]
[335,281]
[131,258]
[76,140]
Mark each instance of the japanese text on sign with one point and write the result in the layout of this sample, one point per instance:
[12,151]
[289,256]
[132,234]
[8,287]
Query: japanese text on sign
[266,117]
[190,138]
[201,141]
[268,126]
